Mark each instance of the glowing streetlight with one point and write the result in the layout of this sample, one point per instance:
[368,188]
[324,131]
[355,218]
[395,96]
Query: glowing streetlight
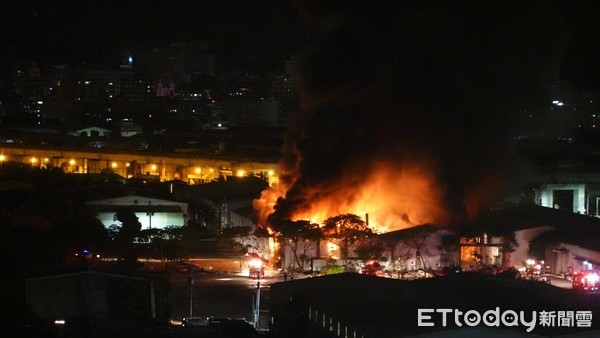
[270,173]
[72,162]
[241,173]
[33,161]
[592,278]
[2,158]
[113,165]
[153,167]
[198,170]
[46,160]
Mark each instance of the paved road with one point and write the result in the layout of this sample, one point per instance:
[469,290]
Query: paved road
[559,282]
[218,294]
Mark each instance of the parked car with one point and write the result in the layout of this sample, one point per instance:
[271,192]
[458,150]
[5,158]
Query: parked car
[195,322]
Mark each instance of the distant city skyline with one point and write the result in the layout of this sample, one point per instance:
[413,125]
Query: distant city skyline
[96,31]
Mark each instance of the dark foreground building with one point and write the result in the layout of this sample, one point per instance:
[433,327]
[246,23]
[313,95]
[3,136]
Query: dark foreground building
[98,304]
[354,305]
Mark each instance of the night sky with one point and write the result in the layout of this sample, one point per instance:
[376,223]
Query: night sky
[581,64]
[419,91]
[93,30]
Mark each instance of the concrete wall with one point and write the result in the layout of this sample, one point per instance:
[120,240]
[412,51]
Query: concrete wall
[566,258]
[521,253]
[579,200]
[68,296]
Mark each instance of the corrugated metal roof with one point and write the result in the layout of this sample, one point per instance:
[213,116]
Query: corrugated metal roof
[137,208]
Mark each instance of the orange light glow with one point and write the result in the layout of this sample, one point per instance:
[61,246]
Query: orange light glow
[273,246]
[333,250]
[255,263]
[393,198]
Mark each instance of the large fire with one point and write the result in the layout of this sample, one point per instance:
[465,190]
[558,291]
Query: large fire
[393,198]
[412,126]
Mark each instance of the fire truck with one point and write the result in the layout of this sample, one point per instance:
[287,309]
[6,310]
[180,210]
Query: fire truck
[256,268]
[586,282]
[372,268]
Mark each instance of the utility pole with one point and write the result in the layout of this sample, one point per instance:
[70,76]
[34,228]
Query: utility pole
[150,213]
[191,290]
[257,308]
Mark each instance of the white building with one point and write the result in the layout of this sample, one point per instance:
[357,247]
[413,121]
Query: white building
[153,213]
[565,196]
[128,128]
[566,258]
[91,131]
[566,239]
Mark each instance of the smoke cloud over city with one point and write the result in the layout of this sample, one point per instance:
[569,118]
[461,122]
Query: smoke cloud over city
[407,108]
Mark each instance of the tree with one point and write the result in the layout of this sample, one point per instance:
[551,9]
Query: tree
[190,240]
[79,230]
[130,224]
[232,239]
[311,238]
[345,230]
[449,247]
[371,247]
[389,245]
[130,229]
[509,244]
[295,233]
[202,213]
[163,243]
[416,238]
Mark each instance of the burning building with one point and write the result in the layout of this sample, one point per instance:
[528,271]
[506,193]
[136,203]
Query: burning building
[407,110]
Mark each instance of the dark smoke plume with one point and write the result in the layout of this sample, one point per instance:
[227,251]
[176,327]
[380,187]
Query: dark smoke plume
[430,85]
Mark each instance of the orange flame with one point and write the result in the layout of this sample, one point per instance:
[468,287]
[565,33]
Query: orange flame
[393,198]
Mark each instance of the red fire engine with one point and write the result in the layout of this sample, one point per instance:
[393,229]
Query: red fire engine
[256,267]
[372,268]
[586,282]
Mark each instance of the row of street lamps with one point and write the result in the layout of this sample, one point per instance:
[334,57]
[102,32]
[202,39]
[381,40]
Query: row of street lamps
[34,160]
